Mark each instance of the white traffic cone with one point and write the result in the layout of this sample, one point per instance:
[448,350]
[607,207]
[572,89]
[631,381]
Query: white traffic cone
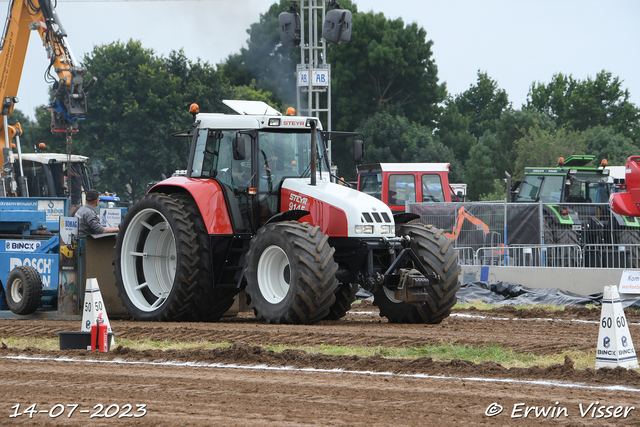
[94,309]
[615,347]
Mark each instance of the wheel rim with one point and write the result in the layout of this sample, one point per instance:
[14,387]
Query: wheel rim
[17,290]
[274,274]
[391,295]
[148,260]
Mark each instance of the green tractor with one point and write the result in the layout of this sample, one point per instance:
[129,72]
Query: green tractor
[573,196]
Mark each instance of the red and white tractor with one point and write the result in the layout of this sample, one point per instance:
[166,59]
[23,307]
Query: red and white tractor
[257,212]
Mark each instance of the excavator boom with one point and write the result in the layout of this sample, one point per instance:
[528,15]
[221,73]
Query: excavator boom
[64,72]
[24,16]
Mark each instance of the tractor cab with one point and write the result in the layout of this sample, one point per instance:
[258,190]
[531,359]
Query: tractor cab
[251,161]
[399,183]
[571,181]
[56,175]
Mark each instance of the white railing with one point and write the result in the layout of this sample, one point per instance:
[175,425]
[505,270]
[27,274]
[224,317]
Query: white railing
[466,255]
[611,256]
[590,256]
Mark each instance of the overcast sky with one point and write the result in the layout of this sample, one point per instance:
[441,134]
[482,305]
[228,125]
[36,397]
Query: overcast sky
[516,42]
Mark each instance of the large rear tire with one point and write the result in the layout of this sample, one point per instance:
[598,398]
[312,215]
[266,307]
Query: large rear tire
[561,234]
[630,236]
[290,273]
[345,296]
[436,252]
[24,290]
[156,260]
[210,303]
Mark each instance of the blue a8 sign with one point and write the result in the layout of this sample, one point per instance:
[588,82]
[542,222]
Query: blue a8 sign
[303,78]
[320,78]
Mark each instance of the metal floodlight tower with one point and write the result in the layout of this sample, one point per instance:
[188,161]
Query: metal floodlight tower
[313,73]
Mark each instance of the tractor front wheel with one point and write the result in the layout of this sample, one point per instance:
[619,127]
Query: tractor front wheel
[437,254]
[290,273]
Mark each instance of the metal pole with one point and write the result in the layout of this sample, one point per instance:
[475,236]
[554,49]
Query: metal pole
[310,88]
[506,207]
[302,55]
[314,145]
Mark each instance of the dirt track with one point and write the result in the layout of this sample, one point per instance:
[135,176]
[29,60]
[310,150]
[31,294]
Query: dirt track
[192,388]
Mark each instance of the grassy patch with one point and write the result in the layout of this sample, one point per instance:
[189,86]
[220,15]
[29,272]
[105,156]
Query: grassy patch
[479,305]
[447,352]
[41,343]
[443,352]
[148,344]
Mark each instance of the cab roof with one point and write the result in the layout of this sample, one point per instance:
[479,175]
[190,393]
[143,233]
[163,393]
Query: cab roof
[251,108]
[250,115]
[53,158]
[404,167]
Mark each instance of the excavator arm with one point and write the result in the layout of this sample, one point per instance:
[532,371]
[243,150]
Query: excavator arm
[70,101]
[69,104]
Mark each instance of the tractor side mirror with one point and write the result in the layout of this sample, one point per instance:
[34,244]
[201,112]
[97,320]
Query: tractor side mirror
[358,150]
[239,149]
[95,176]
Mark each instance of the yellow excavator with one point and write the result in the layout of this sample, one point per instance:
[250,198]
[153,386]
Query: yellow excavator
[70,102]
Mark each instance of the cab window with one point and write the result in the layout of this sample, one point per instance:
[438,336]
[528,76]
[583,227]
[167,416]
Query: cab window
[530,188]
[432,188]
[551,190]
[402,189]
[36,179]
[371,184]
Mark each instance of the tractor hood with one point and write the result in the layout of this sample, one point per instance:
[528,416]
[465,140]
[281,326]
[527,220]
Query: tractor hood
[352,212]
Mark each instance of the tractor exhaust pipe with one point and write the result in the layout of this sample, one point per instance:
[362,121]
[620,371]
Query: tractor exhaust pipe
[314,145]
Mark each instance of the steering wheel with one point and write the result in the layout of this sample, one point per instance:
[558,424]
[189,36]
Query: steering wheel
[224,177]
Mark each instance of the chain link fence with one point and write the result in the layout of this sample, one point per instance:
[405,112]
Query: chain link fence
[536,234]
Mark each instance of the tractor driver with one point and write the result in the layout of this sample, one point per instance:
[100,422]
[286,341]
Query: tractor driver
[88,219]
[241,174]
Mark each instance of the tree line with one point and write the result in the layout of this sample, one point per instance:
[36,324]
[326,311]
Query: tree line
[385,84]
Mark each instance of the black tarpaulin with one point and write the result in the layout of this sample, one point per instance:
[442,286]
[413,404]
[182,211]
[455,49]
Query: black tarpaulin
[504,293]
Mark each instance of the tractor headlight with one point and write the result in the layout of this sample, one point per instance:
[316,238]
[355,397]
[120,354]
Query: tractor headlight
[385,229]
[364,229]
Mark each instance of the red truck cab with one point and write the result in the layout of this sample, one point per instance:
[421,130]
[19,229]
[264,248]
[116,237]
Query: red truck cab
[398,183]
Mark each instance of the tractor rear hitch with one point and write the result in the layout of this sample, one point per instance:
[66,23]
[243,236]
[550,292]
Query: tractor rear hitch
[410,284]
[412,287]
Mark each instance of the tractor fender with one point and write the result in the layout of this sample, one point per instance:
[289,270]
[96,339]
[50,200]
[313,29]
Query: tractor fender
[209,197]
[626,221]
[554,213]
[294,215]
[404,217]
